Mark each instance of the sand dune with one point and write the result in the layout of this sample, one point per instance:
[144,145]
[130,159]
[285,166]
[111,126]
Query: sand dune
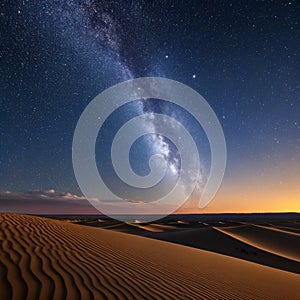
[219,240]
[274,240]
[294,227]
[49,259]
[154,227]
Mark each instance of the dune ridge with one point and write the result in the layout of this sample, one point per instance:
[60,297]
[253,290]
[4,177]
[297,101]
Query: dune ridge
[50,259]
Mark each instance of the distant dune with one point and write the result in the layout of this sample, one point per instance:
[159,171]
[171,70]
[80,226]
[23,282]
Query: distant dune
[266,246]
[49,259]
[281,242]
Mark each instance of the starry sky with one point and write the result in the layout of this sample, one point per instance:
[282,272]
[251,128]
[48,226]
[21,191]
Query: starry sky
[241,56]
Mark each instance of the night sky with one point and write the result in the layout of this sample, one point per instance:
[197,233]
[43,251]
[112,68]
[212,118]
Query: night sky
[241,56]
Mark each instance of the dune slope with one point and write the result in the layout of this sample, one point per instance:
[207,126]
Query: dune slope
[49,259]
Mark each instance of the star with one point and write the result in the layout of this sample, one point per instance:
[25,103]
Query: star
[59,57]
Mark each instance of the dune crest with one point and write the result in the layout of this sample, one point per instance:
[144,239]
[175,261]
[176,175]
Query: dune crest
[49,259]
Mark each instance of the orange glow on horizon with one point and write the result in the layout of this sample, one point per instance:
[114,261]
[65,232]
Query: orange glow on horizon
[277,189]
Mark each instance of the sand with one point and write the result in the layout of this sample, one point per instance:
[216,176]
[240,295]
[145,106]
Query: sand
[267,247]
[49,259]
[280,242]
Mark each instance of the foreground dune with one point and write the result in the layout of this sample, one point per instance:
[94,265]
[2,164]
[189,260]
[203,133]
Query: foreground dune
[49,259]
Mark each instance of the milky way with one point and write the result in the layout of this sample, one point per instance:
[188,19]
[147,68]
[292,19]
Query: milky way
[108,27]
[107,39]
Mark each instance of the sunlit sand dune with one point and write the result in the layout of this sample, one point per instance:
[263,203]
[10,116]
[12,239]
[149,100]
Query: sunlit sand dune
[274,240]
[49,259]
[221,240]
[294,227]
